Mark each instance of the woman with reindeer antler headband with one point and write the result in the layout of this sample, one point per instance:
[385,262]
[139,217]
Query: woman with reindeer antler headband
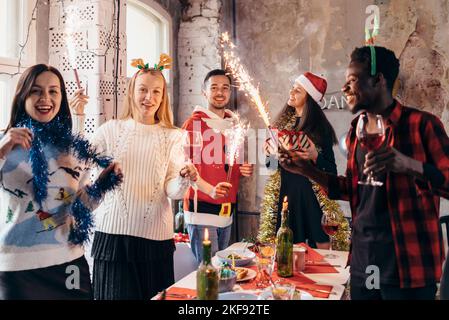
[133,245]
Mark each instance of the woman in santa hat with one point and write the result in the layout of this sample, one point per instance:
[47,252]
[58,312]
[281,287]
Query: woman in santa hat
[303,125]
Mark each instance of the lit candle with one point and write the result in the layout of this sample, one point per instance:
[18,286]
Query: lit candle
[285,204]
[207,275]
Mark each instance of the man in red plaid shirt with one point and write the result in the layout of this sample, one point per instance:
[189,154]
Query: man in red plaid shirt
[396,230]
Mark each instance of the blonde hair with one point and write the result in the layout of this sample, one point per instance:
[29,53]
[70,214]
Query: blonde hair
[163,114]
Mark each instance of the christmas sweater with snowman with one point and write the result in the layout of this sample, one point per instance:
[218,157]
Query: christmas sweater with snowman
[33,236]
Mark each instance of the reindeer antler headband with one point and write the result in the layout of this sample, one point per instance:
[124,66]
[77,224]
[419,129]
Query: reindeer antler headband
[165,62]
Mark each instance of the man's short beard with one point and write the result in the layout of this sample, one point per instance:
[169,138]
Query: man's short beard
[218,107]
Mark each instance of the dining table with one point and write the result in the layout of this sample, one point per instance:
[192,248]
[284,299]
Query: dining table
[321,275]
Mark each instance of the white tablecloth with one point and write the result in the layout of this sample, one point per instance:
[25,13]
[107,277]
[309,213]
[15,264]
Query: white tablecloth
[337,280]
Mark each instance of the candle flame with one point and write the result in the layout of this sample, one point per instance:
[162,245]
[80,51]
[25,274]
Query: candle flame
[285,204]
[206,234]
[242,77]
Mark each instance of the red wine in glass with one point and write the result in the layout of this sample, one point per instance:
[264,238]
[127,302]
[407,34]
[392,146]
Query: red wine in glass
[372,142]
[329,223]
[330,229]
[371,137]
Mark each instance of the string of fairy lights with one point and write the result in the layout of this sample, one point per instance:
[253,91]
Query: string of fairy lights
[24,44]
[70,44]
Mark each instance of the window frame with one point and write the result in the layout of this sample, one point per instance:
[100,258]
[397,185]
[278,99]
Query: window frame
[167,38]
[9,67]
[8,64]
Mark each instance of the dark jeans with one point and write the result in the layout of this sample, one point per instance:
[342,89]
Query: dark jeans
[219,238]
[393,293]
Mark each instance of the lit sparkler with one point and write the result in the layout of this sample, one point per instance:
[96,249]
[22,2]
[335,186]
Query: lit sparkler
[243,79]
[235,138]
[70,28]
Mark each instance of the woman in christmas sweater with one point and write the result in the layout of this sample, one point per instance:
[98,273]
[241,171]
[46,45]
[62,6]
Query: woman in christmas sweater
[41,233]
[133,245]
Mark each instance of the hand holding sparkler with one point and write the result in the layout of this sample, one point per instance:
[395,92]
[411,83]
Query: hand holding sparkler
[78,102]
[189,171]
[221,190]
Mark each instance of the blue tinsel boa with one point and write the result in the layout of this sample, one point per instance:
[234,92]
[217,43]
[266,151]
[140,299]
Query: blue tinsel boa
[59,134]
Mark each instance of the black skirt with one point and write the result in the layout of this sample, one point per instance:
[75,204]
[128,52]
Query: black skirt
[304,210]
[127,267]
[68,281]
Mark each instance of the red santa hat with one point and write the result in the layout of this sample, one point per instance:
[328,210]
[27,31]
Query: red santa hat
[314,85]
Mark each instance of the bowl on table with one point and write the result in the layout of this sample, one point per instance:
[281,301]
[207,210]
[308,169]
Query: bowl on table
[241,257]
[227,284]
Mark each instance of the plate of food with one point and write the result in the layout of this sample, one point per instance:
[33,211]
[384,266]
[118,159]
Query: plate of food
[245,274]
[267,294]
[240,257]
[237,296]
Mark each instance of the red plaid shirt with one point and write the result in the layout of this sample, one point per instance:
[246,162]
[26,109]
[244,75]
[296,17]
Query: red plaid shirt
[413,204]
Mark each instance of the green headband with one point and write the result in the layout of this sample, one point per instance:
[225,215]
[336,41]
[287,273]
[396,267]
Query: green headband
[373,60]
[369,40]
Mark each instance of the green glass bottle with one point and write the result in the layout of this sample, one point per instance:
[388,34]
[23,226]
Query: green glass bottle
[284,245]
[207,275]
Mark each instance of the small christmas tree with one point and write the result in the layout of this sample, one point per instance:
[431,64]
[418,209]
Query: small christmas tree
[9,215]
[30,207]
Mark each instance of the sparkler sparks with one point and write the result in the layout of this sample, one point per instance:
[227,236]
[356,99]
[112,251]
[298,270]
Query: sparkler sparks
[71,26]
[244,80]
[235,138]
[242,77]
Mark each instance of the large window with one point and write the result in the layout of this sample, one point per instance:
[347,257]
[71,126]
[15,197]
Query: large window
[147,32]
[17,34]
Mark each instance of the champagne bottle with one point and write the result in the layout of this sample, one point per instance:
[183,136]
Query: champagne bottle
[207,274]
[284,245]
[179,219]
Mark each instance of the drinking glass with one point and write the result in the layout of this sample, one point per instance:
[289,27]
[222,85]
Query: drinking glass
[283,290]
[370,139]
[265,263]
[329,223]
[192,144]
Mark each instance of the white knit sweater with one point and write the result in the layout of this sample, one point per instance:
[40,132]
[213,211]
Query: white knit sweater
[151,158]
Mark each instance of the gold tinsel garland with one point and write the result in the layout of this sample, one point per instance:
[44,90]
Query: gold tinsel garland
[269,207]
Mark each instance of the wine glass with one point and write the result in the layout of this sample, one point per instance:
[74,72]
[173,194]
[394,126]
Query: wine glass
[192,144]
[329,223]
[371,139]
[265,264]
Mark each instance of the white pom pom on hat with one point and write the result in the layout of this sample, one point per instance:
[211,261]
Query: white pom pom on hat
[314,85]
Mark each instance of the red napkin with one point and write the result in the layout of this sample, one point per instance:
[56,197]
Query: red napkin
[298,279]
[184,293]
[315,257]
